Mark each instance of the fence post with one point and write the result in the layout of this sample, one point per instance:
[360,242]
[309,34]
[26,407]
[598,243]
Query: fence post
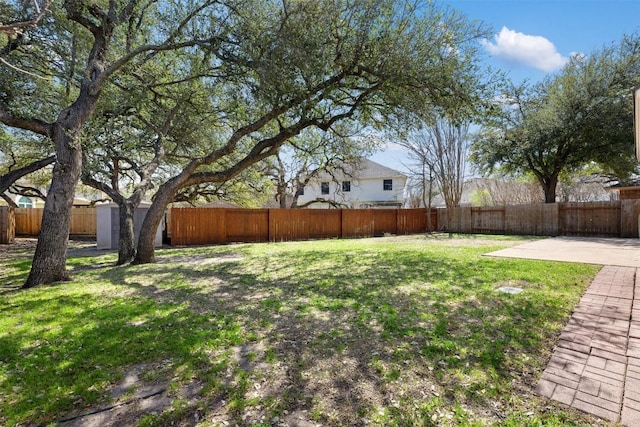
[7,225]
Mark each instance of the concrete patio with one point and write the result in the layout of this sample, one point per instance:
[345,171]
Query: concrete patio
[589,250]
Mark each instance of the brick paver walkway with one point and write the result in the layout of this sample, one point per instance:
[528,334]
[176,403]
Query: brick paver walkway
[596,365]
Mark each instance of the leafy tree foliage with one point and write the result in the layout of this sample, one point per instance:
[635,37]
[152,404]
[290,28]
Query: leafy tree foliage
[20,155]
[32,13]
[266,71]
[292,66]
[581,115]
[69,57]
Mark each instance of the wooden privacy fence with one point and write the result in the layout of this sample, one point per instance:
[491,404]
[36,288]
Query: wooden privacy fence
[603,219]
[28,221]
[197,226]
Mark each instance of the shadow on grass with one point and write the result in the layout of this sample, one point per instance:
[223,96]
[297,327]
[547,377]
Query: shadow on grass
[341,337]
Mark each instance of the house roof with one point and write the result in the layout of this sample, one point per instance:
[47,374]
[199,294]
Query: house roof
[631,184]
[365,169]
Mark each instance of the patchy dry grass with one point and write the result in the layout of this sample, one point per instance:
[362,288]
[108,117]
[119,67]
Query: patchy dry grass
[390,331]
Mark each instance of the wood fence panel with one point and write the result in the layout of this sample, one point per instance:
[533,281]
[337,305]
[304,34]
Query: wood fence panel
[325,223]
[533,220]
[488,220]
[629,213]
[28,221]
[455,220]
[414,221]
[357,223]
[7,225]
[217,225]
[247,225]
[198,226]
[83,222]
[590,219]
[288,224]
[385,221]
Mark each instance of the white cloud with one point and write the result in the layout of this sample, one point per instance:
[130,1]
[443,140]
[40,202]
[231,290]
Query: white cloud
[533,51]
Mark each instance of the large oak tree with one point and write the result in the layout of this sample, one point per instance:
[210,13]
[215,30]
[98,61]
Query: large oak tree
[301,65]
[85,44]
[581,115]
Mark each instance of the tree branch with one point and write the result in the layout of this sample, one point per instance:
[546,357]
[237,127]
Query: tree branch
[8,179]
[34,125]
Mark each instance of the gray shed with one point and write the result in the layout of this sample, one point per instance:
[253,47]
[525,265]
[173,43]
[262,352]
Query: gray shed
[108,225]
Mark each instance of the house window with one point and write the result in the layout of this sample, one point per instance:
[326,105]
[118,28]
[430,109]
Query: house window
[300,191]
[387,184]
[346,186]
[25,202]
[324,187]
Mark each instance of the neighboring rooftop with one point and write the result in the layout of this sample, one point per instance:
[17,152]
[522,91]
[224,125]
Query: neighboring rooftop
[365,169]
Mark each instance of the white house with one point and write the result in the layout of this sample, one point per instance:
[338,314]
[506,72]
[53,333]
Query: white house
[365,185]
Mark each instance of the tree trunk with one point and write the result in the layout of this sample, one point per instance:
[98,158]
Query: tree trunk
[549,185]
[145,252]
[126,238]
[49,260]
[550,195]
[427,200]
[282,196]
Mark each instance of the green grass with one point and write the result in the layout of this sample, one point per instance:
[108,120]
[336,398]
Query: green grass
[400,332]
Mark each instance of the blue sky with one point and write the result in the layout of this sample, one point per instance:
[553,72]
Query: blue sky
[534,38]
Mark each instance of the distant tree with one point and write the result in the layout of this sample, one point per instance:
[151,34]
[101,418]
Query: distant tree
[439,150]
[481,197]
[421,185]
[581,115]
[587,184]
[503,191]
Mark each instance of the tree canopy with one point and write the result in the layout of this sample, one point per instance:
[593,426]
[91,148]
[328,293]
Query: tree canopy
[320,65]
[581,115]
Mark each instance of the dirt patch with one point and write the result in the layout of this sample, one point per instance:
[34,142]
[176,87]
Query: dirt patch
[19,248]
[134,397]
[24,247]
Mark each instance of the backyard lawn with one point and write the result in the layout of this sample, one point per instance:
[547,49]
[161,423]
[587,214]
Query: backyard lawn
[386,331]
